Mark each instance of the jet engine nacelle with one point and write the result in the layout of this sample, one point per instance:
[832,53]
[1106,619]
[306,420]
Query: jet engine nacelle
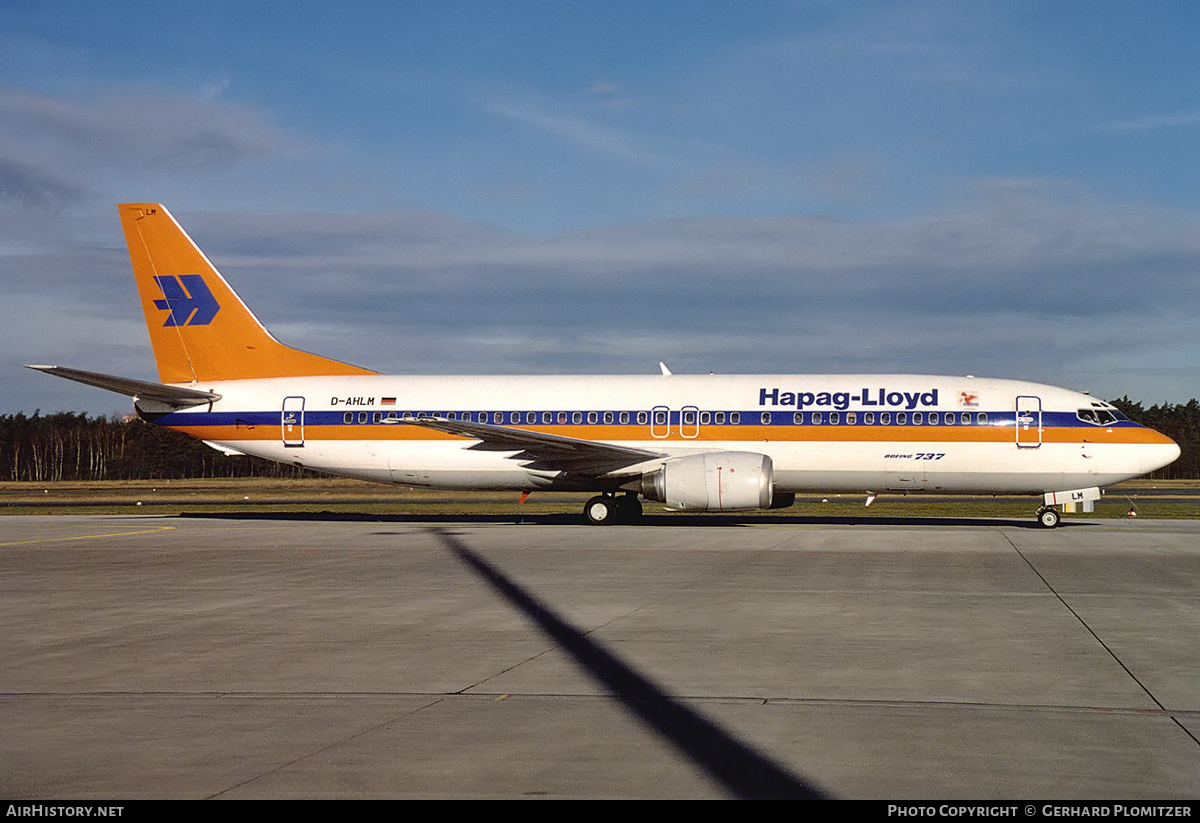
[713,481]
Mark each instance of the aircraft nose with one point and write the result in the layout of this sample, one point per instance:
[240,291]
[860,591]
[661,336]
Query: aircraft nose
[1162,452]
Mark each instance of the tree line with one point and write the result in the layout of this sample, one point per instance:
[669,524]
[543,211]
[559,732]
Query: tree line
[70,446]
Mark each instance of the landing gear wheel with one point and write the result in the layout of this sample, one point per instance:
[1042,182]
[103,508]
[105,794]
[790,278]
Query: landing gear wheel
[601,510]
[1048,518]
[629,509]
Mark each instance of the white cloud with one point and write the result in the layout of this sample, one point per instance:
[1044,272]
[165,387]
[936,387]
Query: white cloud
[1155,122]
[573,127]
[57,149]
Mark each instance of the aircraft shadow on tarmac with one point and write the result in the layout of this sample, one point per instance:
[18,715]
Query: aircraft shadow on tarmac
[740,769]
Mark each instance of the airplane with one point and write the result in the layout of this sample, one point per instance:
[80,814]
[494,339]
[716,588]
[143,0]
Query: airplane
[690,442]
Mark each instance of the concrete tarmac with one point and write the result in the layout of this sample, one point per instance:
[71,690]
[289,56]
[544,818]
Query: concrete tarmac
[708,657]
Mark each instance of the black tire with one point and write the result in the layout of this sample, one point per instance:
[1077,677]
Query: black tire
[629,509]
[1048,518]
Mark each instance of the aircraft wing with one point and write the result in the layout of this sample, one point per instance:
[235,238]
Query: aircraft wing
[137,389]
[546,452]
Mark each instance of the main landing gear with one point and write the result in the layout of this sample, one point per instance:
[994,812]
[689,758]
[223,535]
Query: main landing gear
[604,509]
[1048,517]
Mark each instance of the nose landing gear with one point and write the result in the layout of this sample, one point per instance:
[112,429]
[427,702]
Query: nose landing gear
[1048,517]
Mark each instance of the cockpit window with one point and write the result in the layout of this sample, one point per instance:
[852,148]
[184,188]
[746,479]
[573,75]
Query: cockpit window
[1098,417]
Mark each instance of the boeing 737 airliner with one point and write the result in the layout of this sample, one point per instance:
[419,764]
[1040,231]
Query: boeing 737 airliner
[698,443]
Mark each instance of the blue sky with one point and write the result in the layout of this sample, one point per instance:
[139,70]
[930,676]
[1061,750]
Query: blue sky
[1007,188]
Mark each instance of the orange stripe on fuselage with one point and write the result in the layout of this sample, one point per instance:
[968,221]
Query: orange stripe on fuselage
[748,434]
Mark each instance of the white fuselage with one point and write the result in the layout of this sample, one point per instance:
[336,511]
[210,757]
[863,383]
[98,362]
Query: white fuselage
[831,433]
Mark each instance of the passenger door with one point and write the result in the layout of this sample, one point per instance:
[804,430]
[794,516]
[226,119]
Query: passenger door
[292,422]
[1029,422]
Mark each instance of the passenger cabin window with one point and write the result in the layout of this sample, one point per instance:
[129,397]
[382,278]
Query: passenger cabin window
[348,417]
[642,418]
[608,417]
[851,418]
[817,418]
[980,418]
[798,418]
[918,418]
[901,418]
[735,418]
[765,417]
[885,418]
[576,417]
[869,418]
[592,418]
[623,418]
[719,418]
[705,418]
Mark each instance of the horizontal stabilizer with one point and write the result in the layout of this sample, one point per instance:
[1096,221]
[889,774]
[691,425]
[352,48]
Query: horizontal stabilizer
[228,451]
[137,389]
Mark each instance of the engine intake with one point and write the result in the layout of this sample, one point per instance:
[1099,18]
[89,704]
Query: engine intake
[712,481]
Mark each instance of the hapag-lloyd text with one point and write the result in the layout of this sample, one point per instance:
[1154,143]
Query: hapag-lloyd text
[842,400]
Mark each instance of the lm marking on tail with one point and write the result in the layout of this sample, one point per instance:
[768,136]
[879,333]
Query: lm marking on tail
[691,442]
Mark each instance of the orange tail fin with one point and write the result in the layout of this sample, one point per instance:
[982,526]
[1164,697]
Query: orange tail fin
[199,327]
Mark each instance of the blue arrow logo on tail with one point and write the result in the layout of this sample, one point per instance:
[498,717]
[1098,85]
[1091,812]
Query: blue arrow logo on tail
[188,299]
